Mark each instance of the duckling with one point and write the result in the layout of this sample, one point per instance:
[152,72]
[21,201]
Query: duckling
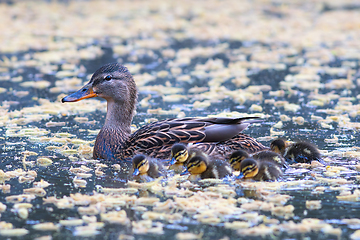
[238,156]
[200,166]
[268,155]
[300,152]
[278,146]
[260,170]
[146,169]
[180,154]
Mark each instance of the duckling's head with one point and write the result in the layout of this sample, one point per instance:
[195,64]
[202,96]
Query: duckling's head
[179,153]
[278,146]
[236,159]
[249,168]
[140,164]
[112,81]
[197,164]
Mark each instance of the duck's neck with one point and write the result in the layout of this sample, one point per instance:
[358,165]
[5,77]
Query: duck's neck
[118,119]
[115,131]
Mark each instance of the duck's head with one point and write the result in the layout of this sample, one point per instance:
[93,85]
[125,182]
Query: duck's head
[236,158]
[112,82]
[197,164]
[140,164]
[249,168]
[179,153]
[278,146]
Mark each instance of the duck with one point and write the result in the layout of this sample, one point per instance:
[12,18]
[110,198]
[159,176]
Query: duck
[299,152]
[236,158]
[146,169]
[178,157]
[266,155]
[115,142]
[278,146]
[180,154]
[200,166]
[260,170]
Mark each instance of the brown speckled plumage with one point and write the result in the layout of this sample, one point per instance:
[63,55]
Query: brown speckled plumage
[114,83]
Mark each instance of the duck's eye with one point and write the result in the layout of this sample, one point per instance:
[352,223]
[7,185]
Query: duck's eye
[108,77]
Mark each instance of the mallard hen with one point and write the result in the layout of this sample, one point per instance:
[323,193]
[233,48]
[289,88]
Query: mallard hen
[115,84]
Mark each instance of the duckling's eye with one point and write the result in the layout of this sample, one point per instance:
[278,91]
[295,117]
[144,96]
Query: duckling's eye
[108,78]
[248,168]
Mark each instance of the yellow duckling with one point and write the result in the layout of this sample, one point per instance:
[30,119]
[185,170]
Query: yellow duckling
[238,156]
[300,152]
[146,169]
[259,170]
[179,156]
[201,167]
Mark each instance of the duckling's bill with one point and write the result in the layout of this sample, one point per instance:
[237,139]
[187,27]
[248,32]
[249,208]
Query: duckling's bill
[240,176]
[184,172]
[136,172]
[172,161]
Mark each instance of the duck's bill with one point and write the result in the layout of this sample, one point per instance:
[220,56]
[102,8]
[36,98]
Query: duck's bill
[83,93]
[136,172]
[240,176]
[322,162]
[184,172]
[172,162]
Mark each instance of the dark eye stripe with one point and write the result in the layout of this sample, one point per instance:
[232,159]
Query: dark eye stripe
[141,164]
[179,153]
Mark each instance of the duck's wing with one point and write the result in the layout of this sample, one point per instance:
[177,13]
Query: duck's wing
[155,138]
[223,150]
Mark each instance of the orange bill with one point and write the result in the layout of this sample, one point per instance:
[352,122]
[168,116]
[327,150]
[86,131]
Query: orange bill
[84,92]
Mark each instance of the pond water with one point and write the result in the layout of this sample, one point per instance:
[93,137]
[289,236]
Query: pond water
[289,63]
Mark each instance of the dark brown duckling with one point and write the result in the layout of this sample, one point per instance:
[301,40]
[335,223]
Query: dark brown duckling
[146,168]
[260,170]
[200,166]
[116,85]
[268,155]
[300,152]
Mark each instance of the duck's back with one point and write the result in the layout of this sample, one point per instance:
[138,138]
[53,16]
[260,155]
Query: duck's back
[212,135]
